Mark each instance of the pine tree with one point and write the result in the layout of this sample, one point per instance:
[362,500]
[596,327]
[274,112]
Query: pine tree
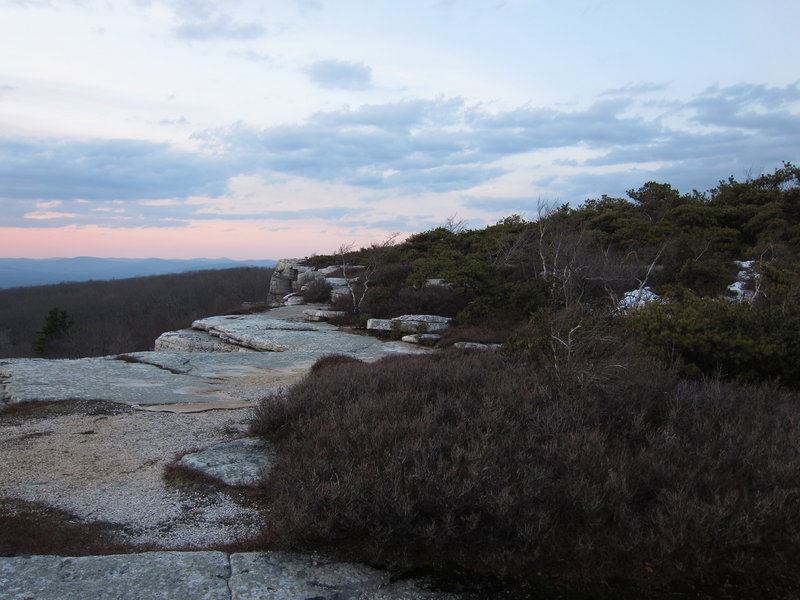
[57,326]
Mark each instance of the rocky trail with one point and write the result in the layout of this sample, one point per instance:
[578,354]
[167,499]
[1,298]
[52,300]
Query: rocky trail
[97,438]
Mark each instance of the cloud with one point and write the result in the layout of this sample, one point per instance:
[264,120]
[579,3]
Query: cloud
[753,107]
[328,213]
[438,145]
[339,75]
[505,206]
[103,170]
[170,122]
[254,56]
[635,89]
[740,125]
[435,152]
[219,28]
[46,214]
[446,144]
[307,6]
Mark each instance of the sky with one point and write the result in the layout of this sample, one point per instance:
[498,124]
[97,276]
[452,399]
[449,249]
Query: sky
[285,128]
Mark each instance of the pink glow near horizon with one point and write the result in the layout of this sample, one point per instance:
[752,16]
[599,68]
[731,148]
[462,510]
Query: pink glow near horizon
[205,240]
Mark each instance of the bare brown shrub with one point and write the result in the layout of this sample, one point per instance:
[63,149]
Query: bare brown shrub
[124,315]
[332,361]
[489,330]
[604,469]
[32,528]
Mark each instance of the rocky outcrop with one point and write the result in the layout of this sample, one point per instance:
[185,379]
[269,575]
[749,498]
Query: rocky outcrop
[284,279]
[410,324]
[637,299]
[281,330]
[318,314]
[209,575]
[282,347]
[222,362]
[192,340]
[292,275]
[426,339]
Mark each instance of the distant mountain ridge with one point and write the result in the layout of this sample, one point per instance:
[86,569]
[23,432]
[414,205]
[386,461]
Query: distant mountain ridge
[22,272]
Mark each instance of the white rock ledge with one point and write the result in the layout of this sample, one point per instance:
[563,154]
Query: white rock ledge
[410,323]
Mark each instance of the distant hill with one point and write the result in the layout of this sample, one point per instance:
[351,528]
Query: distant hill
[20,272]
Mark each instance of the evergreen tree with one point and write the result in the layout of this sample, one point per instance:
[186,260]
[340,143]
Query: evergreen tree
[57,326]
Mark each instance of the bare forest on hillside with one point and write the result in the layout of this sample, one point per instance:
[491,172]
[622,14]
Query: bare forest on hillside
[97,318]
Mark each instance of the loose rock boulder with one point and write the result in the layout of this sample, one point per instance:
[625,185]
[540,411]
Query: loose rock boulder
[238,463]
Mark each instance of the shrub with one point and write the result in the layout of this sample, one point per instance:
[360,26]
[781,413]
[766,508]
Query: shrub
[707,337]
[608,469]
[318,290]
[433,300]
[490,330]
[332,361]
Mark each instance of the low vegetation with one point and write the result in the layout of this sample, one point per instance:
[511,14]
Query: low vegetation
[686,248]
[603,452]
[603,470]
[97,318]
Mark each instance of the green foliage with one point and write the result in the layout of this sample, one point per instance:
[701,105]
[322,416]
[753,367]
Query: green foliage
[683,245]
[710,337]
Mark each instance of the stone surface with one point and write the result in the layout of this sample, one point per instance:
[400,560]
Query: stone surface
[293,299]
[410,323]
[436,283]
[283,576]
[291,275]
[192,340]
[237,463]
[283,279]
[475,346]
[104,378]
[189,381]
[317,314]
[426,339]
[106,462]
[200,576]
[151,575]
[637,299]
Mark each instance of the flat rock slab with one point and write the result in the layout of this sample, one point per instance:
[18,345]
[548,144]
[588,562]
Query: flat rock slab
[239,463]
[103,462]
[192,340]
[182,381]
[167,575]
[267,332]
[284,576]
[103,378]
[195,575]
